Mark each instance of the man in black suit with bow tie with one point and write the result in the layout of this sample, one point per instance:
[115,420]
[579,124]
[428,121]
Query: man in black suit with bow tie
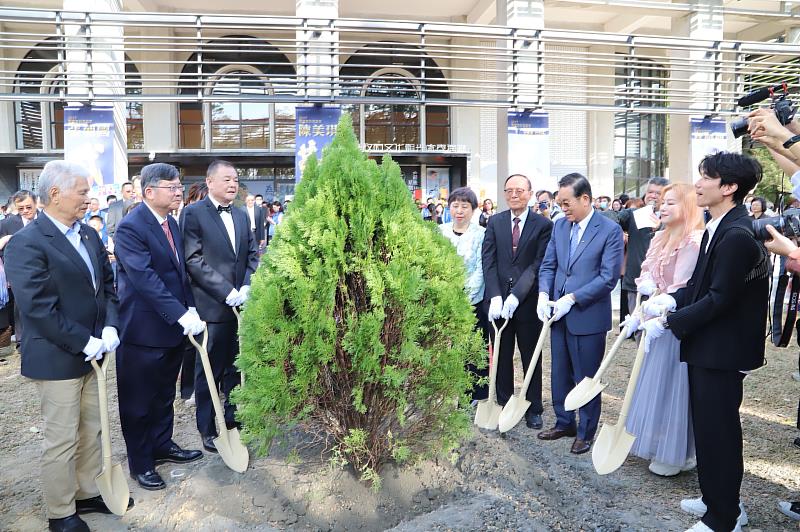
[221,255]
[513,248]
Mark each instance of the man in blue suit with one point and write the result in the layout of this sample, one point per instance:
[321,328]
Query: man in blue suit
[156,313]
[580,269]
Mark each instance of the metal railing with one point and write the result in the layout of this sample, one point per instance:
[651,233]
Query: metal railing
[48,55]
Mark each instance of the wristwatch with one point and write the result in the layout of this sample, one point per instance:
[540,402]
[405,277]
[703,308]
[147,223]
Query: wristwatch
[791,142]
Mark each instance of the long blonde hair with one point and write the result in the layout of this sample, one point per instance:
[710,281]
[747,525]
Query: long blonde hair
[690,213]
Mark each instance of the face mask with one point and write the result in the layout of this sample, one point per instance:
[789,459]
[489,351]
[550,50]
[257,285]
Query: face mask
[604,205]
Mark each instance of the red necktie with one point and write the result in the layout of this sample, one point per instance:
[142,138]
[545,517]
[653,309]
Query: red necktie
[515,237]
[168,233]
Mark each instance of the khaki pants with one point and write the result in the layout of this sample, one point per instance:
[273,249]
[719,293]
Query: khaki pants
[71,458]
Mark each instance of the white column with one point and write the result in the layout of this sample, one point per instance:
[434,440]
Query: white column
[160,119]
[317,61]
[600,142]
[7,137]
[465,122]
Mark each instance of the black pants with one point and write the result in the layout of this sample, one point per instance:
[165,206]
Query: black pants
[146,385]
[187,370]
[480,392]
[223,346]
[526,330]
[715,397]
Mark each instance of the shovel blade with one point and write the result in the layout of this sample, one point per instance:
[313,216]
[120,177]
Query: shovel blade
[611,448]
[232,451]
[487,414]
[585,391]
[114,489]
[512,413]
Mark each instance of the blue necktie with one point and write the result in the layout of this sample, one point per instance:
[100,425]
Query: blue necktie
[573,239]
[81,249]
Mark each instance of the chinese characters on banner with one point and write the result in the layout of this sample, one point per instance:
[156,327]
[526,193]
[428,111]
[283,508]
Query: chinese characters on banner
[708,136]
[89,141]
[529,147]
[314,129]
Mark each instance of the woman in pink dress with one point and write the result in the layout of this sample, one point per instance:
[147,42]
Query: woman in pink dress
[659,415]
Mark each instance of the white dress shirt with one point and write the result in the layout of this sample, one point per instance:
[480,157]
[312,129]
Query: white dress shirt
[711,227]
[522,218]
[227,220]
[251,213]
[73,236]
[583,224]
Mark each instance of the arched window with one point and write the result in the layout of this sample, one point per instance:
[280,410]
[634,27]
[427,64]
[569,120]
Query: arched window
[235,117]
[396,76]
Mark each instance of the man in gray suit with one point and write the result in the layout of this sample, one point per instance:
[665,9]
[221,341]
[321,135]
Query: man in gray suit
[580,269]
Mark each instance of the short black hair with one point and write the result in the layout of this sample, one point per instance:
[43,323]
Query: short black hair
[216,164]
[518,175]
[463,194]
[153,173]
[111,197]
[22,195]
[658,181]
[732,168]
[580,185]
[549,194]
[96,217]
[123,185]
[761,200]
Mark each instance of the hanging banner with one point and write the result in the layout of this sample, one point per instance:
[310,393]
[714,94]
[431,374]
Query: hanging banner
[708,136]
[314,129]
[529,148]
[89,141]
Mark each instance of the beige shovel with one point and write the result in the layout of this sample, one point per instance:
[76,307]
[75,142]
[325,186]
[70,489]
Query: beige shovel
[238,326]
[111,480]
[517,405]
[588,389]
[488,411]
[228,443]
[614,442]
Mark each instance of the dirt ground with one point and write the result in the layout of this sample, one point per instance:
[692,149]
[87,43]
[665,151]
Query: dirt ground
[512,483]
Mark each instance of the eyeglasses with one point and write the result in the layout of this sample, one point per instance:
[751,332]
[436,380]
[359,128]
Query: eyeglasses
[25,208]
[171,188]
[515,191]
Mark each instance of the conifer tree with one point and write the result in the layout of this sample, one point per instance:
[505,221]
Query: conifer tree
[358,327]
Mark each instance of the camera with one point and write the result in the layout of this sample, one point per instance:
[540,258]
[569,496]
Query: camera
[787,224]
[781,105]
[544,205]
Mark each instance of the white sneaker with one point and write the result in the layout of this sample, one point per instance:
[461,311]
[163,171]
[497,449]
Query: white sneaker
[663,470]
[702,527]
[786,509]
[698,507]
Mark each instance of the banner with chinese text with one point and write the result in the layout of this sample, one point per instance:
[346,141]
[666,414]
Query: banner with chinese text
[314,129]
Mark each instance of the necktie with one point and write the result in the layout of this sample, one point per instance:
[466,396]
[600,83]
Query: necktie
[227,209]
[573,239]
[168,233]
[74,238]
[515,237]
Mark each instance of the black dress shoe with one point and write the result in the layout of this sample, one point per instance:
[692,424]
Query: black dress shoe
[208,444]
[72,523]
[95,505]
[150,480]
[556,433]
[176,455]
[580,446]
[230,425]
[533,421]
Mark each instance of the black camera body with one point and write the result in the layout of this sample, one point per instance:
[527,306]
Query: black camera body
[787,224]
[781,105]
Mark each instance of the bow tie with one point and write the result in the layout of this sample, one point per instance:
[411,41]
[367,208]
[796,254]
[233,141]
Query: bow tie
[227,209]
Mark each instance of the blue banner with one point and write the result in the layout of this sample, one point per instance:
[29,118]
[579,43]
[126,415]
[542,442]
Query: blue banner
[89,141]
[314,129]
[529,147]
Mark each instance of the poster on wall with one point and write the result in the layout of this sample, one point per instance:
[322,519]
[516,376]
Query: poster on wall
[708,136]
[29,178]
[89,141]
[437,183]
[314,129]
[529,147]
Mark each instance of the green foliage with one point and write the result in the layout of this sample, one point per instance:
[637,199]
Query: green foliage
[773,181]
[358,327]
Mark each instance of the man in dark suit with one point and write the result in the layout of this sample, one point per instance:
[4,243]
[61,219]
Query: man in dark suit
[513,247]
[221,254]
[720,320]
[156,312]
[255,215]
[580,269]
[131,195]
[65,290]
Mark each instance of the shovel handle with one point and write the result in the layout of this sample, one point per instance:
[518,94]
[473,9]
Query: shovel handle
[212,385]
[102,399]
[496,353]
[637,366]
[238,326]
[536,353]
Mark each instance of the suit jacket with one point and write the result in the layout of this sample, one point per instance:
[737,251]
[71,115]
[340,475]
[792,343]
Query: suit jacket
[116,212]
[590,274]
[59,306]
[260,222]
[500,266]
[214,269]
[9,226]
[722,311]
[152,282]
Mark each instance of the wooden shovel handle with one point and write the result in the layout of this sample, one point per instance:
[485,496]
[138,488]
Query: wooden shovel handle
[105,433]
[212,385]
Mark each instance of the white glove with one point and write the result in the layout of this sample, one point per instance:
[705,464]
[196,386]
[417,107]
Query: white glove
[193,310]
[233,298]
[563,306]
[653,329]
[244,292]
[658,305]
[509,306]
[110,339]
[191,323]
[495,308]
[93,349]
[543,308]
[647,287]
[630,325]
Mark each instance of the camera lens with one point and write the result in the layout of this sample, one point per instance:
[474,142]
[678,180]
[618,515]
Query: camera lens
[739,127]
[760,227]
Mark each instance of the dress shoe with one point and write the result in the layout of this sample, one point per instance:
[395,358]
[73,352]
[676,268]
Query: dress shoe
[556,433]
[580,446]
[230,425]
[95,505]
[533,421]
[150,480]
[176,455]
[71,523]
[208,444]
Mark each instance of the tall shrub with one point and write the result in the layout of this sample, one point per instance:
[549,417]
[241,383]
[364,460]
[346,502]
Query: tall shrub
[358,326]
